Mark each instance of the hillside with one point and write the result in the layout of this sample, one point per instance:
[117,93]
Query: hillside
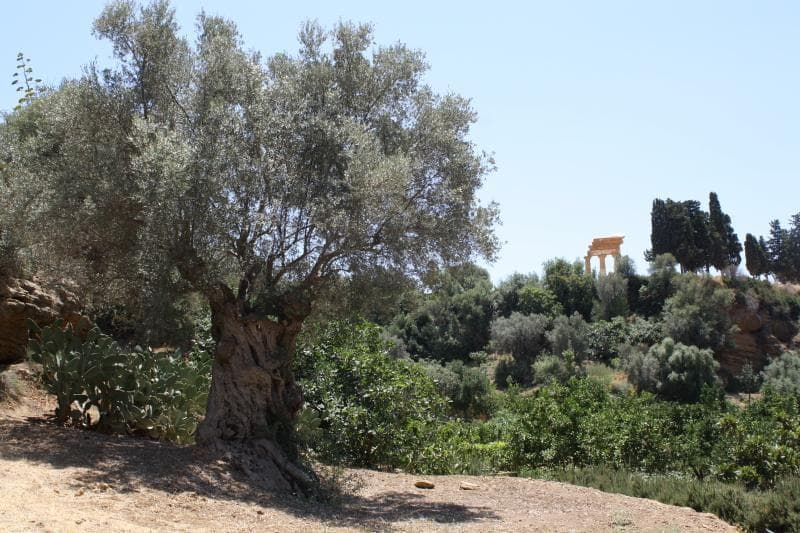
[62,479]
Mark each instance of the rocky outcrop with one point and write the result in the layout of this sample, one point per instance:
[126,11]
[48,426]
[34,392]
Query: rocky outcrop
[23,300]
[760,337]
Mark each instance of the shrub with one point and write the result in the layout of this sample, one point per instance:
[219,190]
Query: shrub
[10,263]
[600,373]
[460,447]
[608,336]
[554,368]
[10,390]
[761,443]
[605,338]
[774,510]
[535,300]
[658,287]
[699,313]
[134,390]
[374,410]
[571,286]
[783,373]
[780,303]
[570,334]
[453,320]
[524,338]
[672,370]
[612,297]
[467,387]
[509,370]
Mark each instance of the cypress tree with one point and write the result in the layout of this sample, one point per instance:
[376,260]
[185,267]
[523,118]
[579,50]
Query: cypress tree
[755,256]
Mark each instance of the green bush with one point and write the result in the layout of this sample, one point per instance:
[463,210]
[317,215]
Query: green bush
[554,368]
[535,300]
[612,297]
[467,387]
[570,334]
[522,336]
[778,302]
[374,410]
[572,287]
[460,447]
[659,286]
[508,370]
[783,373]
[698,314]
[761,443]
[10,390]
[10,263]
[453,320]
[777,509]
[134,390]
[606,337]
[672,370]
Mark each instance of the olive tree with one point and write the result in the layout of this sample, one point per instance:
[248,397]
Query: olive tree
[256,182]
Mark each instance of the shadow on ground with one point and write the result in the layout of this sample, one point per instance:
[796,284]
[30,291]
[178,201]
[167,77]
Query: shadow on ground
[127,464]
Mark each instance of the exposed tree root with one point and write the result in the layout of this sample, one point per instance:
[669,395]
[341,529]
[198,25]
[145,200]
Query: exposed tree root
[266,465]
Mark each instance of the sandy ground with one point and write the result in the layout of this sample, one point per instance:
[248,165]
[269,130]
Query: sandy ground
[62,479]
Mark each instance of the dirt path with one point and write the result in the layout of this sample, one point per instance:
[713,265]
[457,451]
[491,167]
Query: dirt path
[61,479]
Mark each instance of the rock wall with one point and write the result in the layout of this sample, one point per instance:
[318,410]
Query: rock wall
[760,337]
[23,300]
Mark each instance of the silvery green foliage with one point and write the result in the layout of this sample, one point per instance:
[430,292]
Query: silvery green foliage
[782,374]
[672,370]
[522,336]
[698,313]
[263,177]
[570,333]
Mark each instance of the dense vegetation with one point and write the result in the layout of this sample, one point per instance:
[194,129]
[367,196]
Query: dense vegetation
[617,404]
[310,221]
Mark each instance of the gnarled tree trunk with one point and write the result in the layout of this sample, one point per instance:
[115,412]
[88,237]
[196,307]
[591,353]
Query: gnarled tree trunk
[254,398]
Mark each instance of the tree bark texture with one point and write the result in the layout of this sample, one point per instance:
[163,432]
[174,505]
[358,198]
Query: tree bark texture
[254,398]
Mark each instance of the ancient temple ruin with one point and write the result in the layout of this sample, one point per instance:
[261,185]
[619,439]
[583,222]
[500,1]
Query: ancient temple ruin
[602,247]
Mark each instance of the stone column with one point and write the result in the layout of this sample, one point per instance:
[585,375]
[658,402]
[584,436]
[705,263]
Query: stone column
[603,265]
[588,260]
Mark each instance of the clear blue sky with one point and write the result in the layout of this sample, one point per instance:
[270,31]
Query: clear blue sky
[592,109]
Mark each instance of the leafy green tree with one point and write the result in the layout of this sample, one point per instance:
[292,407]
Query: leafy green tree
[659,286]
[755,256]
[724,247]
[554,369]
[612,297]
[782,251]
[672,370]
[570,333]
[778,250]
[570,285]
[372,408]
[535,300]
[748,380]
[698,314]
[254,182]
[507,292]
[454,320]
[467,387]
[680,229]
[783,374]
[522,336]
[19,190]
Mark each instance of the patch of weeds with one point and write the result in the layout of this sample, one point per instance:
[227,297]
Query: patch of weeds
[10,387]
[336,484]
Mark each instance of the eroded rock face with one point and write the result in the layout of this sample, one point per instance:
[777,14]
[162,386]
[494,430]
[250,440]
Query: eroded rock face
[23,300]
[760,338]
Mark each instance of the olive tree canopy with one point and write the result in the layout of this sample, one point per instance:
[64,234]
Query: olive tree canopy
[254,181]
